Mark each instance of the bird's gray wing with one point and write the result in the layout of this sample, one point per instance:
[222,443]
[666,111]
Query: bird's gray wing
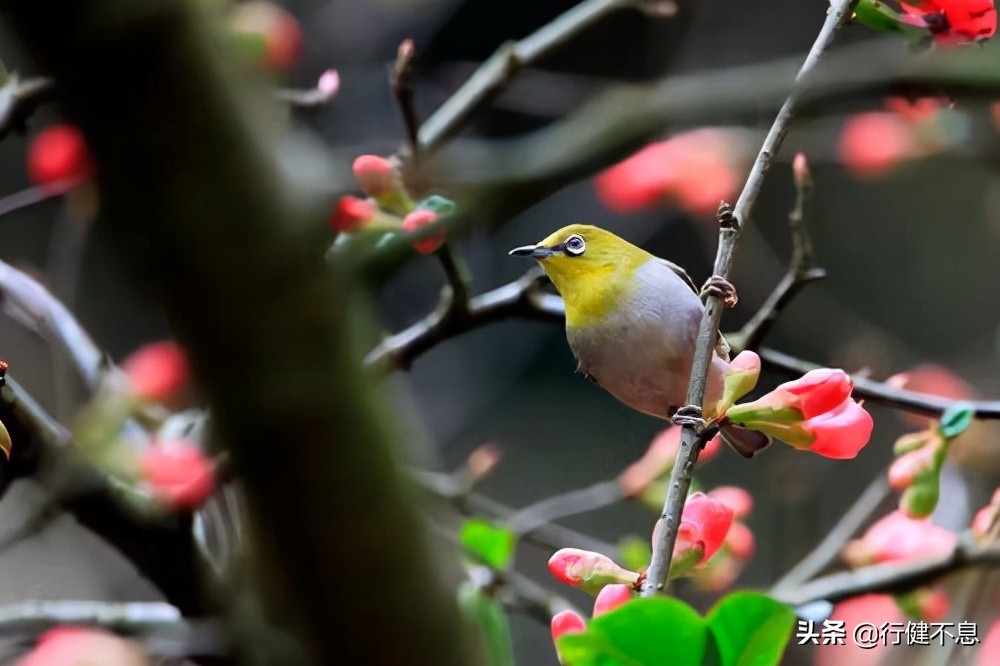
[722,347]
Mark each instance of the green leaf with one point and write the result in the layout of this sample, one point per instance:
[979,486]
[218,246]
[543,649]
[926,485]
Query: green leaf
[750,629]
[443,207]
[635,553]
[956,419]
[5,443]
[489,543]
[878,16]
[643,632]
[486,613]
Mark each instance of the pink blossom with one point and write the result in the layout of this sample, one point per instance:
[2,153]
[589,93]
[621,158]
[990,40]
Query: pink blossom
[611,597]
[76,646]
[842,432]
[375,174]
[872,143]
[588,570]
[897,537]
[178,474]
[418,219]
[704,524]
[737,499]
[58,153]
[351,214]
[157,370]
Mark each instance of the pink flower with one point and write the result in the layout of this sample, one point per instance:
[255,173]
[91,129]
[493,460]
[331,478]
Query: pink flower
[420,218]
[178,474]
[704,524]
[328,84]
[735,498]
[876,609]
[588,570]
[76,646]
[697,168]
[989,650]
[351,214]
[814,412]
[658,460]
[871,144]
[897,537]
[611,597]
[567,622]
[157,371]
[275,27]
[375,174]
[954,21]
[931,379]
[841,433]
[58,153]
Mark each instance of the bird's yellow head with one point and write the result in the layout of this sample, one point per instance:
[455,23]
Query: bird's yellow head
[591,267]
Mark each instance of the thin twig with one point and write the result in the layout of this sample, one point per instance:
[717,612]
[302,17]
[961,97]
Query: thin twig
[33,304]
[402,90]
[892,578]
[801,271]
[19,99]
[692,439]
[522,298]
[880,392]
[497,71]
[37,194]
[571,503]
[828,550]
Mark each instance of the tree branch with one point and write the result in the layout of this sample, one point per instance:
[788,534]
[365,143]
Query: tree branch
[19,99]
[502,66]
[889,578]
[693,439]
[801,271]
[880,392]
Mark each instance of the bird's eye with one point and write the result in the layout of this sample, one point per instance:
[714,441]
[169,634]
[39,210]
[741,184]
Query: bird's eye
[575,246]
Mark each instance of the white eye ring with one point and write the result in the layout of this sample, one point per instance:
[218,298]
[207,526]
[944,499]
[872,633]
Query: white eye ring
[575,245]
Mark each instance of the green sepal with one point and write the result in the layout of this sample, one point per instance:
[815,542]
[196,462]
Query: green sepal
[484,611]
[880,17]
[955,420]
[491,544]
[395,202]
[440,205]
[682,564]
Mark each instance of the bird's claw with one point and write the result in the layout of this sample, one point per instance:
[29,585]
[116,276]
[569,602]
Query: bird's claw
[689,415]
[720,288]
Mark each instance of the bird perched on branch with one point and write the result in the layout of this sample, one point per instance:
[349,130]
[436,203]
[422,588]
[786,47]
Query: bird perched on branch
[632,320]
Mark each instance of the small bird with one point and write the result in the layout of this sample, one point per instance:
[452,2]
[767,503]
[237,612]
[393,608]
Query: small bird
[632,320]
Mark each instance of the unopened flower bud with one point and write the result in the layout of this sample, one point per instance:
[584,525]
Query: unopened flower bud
[800,171]
[178,474]
[420,218]
[57,154]
[352,214]
[157,371]
[375,175]
[611,597]
[588,570]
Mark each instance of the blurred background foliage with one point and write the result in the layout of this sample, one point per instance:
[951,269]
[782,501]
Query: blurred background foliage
[911,259]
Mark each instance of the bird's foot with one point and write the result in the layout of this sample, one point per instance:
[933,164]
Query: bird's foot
[720,288]
[689,415]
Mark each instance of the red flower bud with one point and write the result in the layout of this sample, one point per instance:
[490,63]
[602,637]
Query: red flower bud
[897,537]
[954,21]
[420,218]
[735,498]
[800,170]
[567,622]
[588,570]
[68,646]
[351,214]
[58,153]
[277,28]
[818,391]
[611,597]
[906,468]
[842,432]
[375,174]
[872,143]
[157,371]
[704,523]
[178,474]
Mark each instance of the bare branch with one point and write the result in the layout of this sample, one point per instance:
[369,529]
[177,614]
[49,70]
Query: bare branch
[801,271]
[693,439]
[502,66]
[880,392]
[828,550]
[19,99]
[402,90]
[570,503]
[31,303]
[890,578]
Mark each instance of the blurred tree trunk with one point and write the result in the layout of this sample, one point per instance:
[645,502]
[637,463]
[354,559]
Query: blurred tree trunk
[190,187]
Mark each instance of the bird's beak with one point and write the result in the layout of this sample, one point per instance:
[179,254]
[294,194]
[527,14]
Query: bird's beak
[531,251]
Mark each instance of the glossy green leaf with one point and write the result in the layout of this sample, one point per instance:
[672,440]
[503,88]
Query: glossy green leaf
[443,207]
[484,611]
[750,629]
[878,15]
[955,420]
[643,632]
[488,543]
